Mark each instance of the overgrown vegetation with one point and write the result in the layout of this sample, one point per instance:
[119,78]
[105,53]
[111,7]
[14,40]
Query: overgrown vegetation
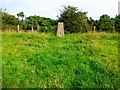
[33,23]
[75,21]
[38,60]
[81,59]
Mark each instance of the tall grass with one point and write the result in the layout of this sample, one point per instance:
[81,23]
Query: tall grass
[37,60]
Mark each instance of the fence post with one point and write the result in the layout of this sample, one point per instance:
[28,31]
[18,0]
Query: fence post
[114,29]
[94,28]
[18,28]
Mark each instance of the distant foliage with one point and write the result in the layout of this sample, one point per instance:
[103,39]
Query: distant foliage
[21,15]
[8,22]
[74,20]
[106,23]
[117,23]
[41,24]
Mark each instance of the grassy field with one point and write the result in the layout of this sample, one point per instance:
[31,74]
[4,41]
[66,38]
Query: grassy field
[37,60]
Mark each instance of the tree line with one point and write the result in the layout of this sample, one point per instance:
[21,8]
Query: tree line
[33,23]
[75,21]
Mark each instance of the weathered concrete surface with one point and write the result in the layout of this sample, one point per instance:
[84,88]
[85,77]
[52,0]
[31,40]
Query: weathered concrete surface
[60,30]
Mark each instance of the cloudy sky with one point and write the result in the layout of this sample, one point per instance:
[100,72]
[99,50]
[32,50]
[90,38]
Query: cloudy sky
[51,8]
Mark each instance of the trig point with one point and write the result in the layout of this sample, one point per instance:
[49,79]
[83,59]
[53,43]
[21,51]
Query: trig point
[60,30]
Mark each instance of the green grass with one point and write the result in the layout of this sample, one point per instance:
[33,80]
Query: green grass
[36,60]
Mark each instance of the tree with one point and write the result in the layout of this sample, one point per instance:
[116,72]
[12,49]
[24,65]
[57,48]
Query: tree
[9,21]
[97,24]
[91,22]
[33,22]
[42,24]
[74,20]
[21,14]
[106,23]
[117,23]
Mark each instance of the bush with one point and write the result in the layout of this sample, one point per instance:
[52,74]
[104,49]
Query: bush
[74,20]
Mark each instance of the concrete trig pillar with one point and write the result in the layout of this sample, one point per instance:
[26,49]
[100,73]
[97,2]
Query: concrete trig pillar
[60,29]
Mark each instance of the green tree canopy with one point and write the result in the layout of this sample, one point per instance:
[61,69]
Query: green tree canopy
[117,22]
[9,21]
[21,15]
[74,20]
[106,23]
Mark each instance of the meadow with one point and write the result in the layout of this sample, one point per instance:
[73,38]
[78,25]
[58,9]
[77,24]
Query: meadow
[38,60]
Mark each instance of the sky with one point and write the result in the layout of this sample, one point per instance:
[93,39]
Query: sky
[51,8]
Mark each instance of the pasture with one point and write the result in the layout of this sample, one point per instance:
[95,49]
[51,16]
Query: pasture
[38,60]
